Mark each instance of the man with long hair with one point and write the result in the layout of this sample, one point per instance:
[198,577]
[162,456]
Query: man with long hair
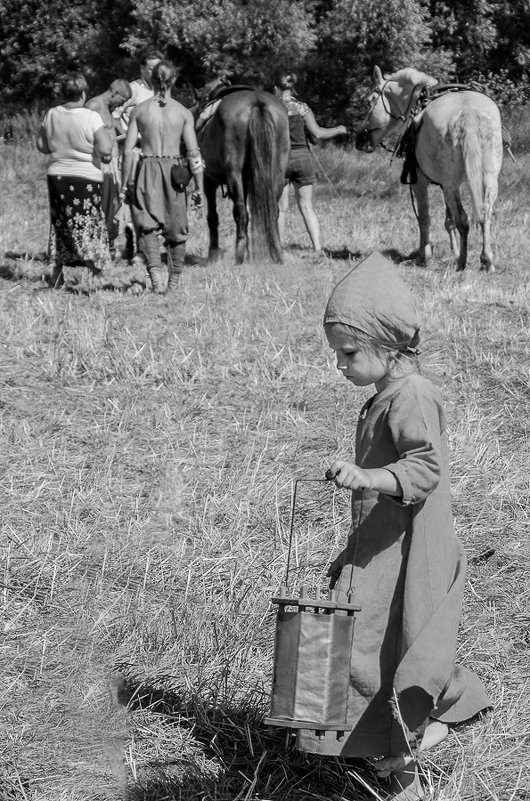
[157,189]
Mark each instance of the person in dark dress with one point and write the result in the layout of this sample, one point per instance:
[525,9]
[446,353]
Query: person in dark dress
[403,562]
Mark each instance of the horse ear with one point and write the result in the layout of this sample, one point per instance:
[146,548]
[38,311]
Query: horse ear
[378,76]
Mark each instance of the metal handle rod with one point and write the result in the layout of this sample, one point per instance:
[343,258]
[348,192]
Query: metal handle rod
[329,477]
[293,510]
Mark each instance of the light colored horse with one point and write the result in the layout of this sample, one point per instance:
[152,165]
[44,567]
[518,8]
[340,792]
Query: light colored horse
[458,137]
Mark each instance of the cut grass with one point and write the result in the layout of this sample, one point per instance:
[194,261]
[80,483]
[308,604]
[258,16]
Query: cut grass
[148,451]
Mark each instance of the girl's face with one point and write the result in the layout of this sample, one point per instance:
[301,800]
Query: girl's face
[357,362]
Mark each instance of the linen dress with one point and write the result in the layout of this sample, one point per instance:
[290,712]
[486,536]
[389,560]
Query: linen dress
[408,575]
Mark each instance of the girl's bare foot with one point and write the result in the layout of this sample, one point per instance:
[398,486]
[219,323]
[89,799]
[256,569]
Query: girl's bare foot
[406,784]
[403,770]
[389,765]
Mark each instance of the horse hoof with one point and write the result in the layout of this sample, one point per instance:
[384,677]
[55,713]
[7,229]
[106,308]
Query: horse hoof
[215,255]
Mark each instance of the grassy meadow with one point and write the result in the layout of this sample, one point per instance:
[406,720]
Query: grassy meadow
[149,447]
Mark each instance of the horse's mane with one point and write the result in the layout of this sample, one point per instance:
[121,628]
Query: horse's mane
[413,76]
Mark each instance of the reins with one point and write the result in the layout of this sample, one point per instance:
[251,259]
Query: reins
[380,93]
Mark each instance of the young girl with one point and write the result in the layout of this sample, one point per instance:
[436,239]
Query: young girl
[403,561]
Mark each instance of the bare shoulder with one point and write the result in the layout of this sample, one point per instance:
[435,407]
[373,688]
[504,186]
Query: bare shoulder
[177,106]
[143,106]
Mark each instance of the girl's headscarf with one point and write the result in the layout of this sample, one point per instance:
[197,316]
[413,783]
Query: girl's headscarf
[373,298]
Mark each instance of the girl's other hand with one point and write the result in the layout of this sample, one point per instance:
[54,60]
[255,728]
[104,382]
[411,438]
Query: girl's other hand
[348,476]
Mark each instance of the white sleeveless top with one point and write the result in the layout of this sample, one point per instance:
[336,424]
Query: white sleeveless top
[70,134]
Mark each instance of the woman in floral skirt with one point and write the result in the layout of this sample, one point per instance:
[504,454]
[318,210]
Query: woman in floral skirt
[77,140]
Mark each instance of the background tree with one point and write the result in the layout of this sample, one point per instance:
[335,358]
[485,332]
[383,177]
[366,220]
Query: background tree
[39,42]
[232,36]
[353,36]
[467,29]
[490,43]
[331,44]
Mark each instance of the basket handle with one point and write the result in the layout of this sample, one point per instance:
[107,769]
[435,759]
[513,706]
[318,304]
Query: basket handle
[329,476]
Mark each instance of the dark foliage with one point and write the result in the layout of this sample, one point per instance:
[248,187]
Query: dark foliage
[333,46]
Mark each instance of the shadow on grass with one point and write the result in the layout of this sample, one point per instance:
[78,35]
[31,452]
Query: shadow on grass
[390,253]
[12,786]
[14,266]
[36,269]
[124,273]
[340,253]
[343,253]
[223,752]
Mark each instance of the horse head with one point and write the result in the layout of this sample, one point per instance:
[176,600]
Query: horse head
[392,100]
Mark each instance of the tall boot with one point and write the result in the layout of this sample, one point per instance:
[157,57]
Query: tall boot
[175,263]
[157,277]
[151,252]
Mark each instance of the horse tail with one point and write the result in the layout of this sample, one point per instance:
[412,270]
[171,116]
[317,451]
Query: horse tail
[481,162]
[265,180]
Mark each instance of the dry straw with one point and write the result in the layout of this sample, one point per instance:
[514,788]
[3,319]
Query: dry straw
[148,449]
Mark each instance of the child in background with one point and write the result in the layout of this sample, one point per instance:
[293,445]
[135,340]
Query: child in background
[408,566]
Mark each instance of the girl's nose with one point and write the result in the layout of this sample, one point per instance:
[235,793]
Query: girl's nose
[340,362]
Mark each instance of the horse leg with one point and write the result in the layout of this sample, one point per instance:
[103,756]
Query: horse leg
[236,192]
[450,227]
[486,256]
[421,193]
[455,208]
[210,190]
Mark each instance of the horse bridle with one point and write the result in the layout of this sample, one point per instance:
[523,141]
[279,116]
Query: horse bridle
[380,93]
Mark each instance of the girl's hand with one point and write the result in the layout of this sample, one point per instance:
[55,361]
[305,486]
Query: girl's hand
[348,476]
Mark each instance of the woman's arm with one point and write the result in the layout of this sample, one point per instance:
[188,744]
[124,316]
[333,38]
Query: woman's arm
[321,133]
[103,144]
[130,142]
[42,141]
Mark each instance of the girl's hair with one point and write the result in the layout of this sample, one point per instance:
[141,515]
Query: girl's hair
[163,78]
[406,352]
[287,82]
[73,85]
[150,55]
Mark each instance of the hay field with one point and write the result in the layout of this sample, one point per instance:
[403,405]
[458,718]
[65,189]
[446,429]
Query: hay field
[148,450]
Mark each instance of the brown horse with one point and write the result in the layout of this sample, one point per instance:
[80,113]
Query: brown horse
[245,146]
[458,136]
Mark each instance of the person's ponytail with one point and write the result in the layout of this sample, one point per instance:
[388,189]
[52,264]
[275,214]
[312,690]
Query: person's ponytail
[163,78]
[161,94]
